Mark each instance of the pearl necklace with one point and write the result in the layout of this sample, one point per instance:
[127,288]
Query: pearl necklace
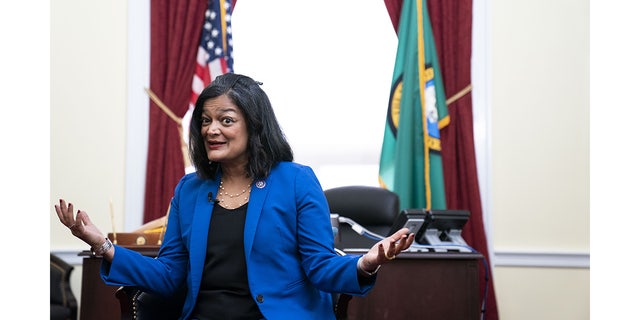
[232,196]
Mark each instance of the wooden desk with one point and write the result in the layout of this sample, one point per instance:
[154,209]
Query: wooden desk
[98,301]
[423,286]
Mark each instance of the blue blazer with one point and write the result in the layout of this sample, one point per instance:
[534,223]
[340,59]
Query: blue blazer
[288,242]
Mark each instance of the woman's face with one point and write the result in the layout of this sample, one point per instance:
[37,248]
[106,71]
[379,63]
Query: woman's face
[224,131]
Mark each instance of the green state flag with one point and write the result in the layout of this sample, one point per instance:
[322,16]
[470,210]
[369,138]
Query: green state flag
[410,161]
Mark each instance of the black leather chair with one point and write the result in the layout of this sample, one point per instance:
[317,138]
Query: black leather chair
[373,208]
[138,305]
[64,305]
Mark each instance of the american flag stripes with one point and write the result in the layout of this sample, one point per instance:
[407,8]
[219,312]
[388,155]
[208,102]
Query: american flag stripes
[215,52]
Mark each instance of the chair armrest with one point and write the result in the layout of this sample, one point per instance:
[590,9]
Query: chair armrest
[127,297]
[340,308]
[138,305]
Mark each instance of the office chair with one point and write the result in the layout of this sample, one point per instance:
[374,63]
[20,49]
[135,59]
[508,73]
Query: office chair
[64,305]
[139,305]
[373,208]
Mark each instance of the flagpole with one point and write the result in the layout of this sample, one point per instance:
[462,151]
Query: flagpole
[163,106]
[459,95]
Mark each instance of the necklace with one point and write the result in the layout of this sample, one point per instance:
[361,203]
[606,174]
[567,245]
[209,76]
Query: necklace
[233,195]
[233,203]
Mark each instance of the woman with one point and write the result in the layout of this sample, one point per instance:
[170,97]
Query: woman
[249,229]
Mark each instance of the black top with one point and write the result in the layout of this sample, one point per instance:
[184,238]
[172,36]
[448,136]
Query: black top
[224,291]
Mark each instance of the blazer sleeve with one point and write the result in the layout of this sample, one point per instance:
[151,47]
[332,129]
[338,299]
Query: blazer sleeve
[327,270]
[161,275]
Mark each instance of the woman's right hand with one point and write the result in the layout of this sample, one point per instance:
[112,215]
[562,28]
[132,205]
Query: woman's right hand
[80,225]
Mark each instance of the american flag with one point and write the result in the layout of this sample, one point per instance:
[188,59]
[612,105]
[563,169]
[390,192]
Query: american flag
[215,52]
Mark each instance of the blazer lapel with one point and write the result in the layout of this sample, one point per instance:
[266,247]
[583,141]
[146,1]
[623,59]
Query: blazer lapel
[200,230]
[259,192]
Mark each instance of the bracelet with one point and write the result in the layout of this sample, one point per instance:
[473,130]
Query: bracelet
[365,272]
[103,248]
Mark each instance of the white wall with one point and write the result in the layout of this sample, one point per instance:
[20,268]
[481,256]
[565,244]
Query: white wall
[536,87]
[540,124]
[88,117]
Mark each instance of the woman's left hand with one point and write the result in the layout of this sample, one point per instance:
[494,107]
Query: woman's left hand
[387,249]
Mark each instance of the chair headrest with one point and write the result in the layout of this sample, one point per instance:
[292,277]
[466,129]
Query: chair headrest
[366,205]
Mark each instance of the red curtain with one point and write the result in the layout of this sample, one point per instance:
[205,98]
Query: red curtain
[176,27]
[175,35]
[451,23]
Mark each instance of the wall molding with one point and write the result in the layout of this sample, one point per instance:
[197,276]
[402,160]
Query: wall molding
[531,259]
[550,259]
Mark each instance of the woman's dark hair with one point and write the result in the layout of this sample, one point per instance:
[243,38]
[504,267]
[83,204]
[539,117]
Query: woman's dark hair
[267,144]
